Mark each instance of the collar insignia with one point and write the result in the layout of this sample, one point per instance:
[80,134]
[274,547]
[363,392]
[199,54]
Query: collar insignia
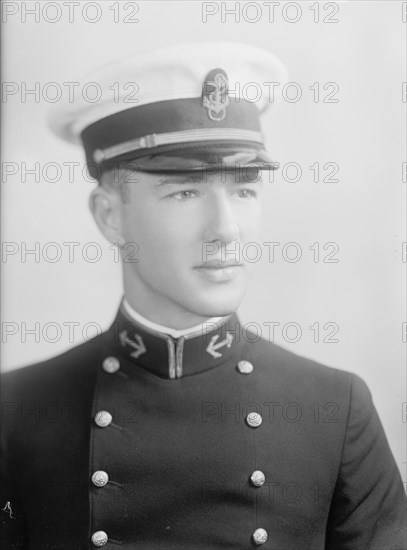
[215,94]
[213,346]
[137,343]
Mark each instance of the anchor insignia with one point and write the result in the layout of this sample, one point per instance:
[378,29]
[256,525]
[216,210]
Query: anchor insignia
[213,346]
[138,345]
[215,94]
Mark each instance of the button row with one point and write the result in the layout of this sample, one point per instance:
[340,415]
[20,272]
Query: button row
[253,419]
[111,365]
[103,419]
[100,538]
[257,478]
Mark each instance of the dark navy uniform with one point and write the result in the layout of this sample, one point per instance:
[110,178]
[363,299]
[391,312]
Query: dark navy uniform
[139,440]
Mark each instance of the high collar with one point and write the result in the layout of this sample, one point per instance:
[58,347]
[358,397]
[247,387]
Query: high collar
[175,333]
[169,357]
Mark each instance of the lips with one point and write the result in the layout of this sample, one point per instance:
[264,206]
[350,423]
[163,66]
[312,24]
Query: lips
[219,264]
[218,271]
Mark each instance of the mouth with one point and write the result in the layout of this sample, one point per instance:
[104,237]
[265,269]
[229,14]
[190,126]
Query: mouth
[219,264]
[218,271]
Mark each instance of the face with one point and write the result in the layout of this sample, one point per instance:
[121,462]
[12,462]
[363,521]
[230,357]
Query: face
[190,234]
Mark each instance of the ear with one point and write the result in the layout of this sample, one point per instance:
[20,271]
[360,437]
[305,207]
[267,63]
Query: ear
[106,207]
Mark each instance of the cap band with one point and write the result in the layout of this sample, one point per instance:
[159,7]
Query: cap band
[186,136]
[150,128]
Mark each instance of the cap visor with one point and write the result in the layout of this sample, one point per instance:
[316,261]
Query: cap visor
[201,158]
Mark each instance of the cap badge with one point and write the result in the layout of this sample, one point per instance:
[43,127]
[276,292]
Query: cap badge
[215,94]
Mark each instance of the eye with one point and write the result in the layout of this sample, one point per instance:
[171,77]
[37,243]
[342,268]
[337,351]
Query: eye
[246,193]
[184,195]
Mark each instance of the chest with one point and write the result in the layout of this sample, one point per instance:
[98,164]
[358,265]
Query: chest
[195,462]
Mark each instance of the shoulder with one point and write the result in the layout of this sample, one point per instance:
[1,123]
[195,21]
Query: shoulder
[302,377]
[65,373]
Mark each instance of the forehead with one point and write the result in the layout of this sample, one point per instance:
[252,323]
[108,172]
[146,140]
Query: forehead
[210,176]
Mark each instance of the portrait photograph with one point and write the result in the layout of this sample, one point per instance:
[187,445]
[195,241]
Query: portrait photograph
[203,275]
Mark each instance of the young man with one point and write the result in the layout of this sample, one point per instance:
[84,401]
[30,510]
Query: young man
[172,439]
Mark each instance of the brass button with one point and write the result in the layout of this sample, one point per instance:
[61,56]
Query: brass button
[103,419]
[257,478]
[260,536]
[111,365]
[99,538]
[100,478]
[254,419]
[245,367]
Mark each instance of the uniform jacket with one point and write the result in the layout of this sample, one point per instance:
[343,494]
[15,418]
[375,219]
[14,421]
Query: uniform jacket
[137,440]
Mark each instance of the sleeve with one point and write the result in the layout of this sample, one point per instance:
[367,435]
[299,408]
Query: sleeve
[12,523]
[368,506]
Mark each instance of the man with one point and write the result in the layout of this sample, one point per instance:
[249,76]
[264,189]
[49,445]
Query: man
[177,430]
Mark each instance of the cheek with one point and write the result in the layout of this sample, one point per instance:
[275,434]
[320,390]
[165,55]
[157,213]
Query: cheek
[160,238]
[249,220]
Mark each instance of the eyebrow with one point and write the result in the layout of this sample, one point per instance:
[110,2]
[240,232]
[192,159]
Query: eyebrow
[178,179]
[194,179]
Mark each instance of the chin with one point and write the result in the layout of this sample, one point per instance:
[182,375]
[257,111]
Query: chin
[216,311]
[217,304]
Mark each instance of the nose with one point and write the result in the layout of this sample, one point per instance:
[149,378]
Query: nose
[221,222]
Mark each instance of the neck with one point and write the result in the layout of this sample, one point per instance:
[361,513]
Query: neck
[158,309]
[162,317]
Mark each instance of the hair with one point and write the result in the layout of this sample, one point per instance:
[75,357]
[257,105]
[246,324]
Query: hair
[118,178]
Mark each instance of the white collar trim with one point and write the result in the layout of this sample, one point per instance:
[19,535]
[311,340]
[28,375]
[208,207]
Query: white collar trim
[167,330]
